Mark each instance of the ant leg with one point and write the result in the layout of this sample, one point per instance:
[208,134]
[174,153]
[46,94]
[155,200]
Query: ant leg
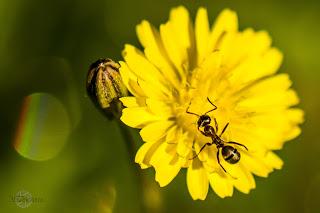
[218,153]
[216,123]
[206,144]
[192,113]
[239,144]
[202,132]
[224,129]
[215,107]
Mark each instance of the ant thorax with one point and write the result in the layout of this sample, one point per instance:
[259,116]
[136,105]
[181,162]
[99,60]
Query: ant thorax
[209,131]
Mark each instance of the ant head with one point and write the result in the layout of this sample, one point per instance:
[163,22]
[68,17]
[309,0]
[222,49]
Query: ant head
[204,120]
[230,154]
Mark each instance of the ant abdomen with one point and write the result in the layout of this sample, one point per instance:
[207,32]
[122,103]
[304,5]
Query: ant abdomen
[230,154]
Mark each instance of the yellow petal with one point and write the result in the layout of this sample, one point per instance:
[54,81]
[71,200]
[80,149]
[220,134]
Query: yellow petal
[179,17]
[142,153]
[253,68]
[245,182]
[125,73]
[221,185]
[272,60]
[165,152]
[209,68]
[145,153]
[166,173]
[153,92]
[242,179]
[147,35]
[184,146]
[137,117]
[269,94]
[173,134]
[243,46]
[203,155]
[295,116]
[254,136]
[155,52]
[166,164]
[273,160]
[280,125]
[197,180]
[178,40]
[226,22]
[143,69]
[155,131]
[244,134]
[132,101]
[280,82]
[266,102]
[139,65]
[159,107]
[211,160]
[135,88]
[255,165]
[294,132]
[130,80]
[202,33]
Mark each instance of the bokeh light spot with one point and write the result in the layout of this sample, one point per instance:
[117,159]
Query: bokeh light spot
[43,127]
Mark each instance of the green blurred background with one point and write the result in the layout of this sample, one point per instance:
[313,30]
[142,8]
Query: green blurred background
[47,46]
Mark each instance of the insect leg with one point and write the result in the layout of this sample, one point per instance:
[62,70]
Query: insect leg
[206,144]
[239,144]
[214,106]
[224,129]
[218,154]
[216,123]
[202,132]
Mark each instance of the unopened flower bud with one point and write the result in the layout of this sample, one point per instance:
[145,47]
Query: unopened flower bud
[105,87]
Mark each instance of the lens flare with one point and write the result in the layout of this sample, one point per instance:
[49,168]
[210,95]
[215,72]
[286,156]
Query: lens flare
[107,198]
[43,127]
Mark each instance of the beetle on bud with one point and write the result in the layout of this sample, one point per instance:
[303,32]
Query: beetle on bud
[105,87]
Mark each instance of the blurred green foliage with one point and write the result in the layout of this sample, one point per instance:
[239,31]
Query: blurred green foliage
[47,46]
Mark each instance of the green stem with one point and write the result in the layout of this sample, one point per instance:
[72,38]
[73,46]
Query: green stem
[130,144]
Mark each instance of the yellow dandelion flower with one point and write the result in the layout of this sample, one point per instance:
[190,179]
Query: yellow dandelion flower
[182,68]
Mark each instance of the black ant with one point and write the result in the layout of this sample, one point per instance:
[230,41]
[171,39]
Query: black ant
[229,153]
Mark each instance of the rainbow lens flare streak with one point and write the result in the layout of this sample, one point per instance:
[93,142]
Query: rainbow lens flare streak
[43,127]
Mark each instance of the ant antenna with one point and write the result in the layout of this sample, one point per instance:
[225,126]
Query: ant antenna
[192,113]
[215,107]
